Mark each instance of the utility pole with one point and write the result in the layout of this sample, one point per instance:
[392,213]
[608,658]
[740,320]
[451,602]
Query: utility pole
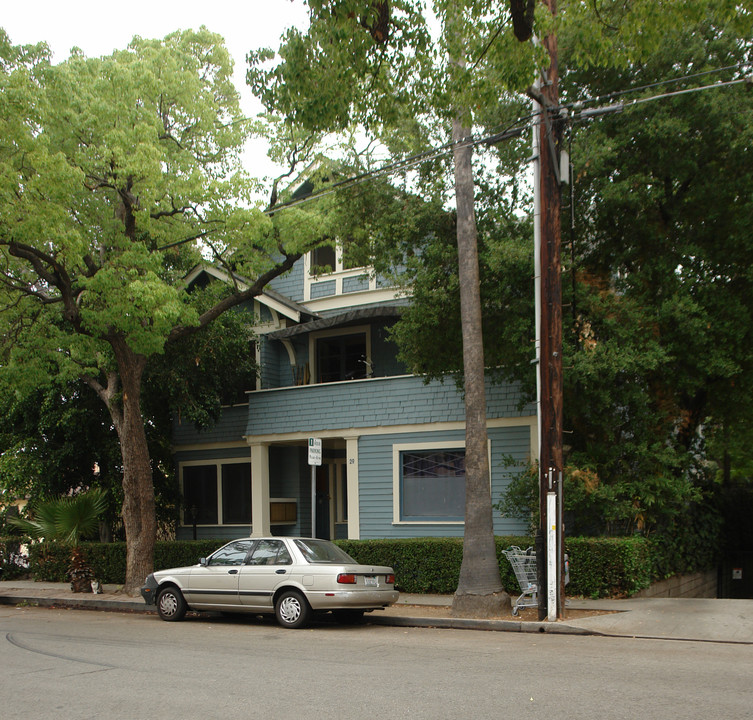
[549,137]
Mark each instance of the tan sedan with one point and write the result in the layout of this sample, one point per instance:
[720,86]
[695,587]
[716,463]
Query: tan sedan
[290,577]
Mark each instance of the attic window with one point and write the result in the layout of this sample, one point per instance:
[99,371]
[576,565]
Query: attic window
[329,259]
[323,260]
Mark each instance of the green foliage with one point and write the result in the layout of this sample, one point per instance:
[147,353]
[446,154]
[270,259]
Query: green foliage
[68,520]
[49,561]
[118,174]
[50,442]
[13,562]
[599,567]
[609,567]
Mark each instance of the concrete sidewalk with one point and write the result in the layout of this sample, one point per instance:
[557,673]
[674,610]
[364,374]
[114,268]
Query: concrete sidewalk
[726,621]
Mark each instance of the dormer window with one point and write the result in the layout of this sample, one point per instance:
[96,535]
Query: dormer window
[329,259]
[323,260]
[332,279]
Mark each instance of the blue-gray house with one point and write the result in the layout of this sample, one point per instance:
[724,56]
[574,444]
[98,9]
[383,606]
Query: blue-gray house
[392,446]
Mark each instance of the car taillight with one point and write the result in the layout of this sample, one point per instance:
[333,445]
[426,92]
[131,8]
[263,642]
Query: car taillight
[346,579]
[390,579]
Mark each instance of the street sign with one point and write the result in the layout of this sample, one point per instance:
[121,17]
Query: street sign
[315,451]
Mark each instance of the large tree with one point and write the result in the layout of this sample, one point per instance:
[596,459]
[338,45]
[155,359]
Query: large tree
[117,174]
[657,314]
[374,64]
[58,438]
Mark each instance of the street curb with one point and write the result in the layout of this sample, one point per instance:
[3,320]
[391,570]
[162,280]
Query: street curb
[83,604]
[136,606]
[488,625]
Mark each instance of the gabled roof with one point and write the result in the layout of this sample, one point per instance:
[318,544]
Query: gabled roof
[272,299]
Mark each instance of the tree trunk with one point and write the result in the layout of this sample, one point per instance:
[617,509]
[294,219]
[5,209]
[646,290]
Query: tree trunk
[138,512]
[479,592]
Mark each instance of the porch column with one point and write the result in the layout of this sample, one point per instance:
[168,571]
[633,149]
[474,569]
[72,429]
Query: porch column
[351,472]
[260,525]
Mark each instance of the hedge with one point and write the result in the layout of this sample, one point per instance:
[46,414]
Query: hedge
[13,563]
[599,567]
[48,562]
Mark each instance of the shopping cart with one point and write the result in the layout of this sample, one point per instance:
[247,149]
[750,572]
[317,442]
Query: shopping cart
[524,565]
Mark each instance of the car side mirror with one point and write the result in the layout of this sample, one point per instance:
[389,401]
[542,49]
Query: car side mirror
[203,561]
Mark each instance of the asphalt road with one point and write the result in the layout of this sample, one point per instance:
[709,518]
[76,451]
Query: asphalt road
[80,664]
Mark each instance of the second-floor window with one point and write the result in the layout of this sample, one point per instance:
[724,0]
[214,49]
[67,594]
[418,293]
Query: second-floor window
[341,357]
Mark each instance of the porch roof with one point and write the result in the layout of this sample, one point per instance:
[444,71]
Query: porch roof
[350,317]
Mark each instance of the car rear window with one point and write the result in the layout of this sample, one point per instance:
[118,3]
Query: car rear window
[323,551]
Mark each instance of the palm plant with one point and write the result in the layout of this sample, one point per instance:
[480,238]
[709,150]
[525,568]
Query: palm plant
[68,520]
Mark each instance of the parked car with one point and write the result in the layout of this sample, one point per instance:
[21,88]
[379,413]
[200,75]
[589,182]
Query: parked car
[290,577]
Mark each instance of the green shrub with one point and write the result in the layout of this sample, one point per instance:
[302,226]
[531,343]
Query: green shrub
[49,561]
[13,563]
[426,565]
[599,567]
[609,567]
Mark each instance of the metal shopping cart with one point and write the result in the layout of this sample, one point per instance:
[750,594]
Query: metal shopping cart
[524,565]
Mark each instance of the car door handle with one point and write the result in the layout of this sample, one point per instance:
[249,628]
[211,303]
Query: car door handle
[232,572]
[280,572]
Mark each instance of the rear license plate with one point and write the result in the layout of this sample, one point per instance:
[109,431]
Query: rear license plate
[369,580]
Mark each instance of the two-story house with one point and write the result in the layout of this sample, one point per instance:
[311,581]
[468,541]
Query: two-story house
[392,445]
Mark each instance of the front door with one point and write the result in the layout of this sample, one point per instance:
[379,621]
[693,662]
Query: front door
[323,501]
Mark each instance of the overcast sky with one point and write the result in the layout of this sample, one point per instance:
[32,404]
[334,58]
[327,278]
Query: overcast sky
[98,28]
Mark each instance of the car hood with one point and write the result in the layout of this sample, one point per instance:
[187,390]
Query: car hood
[175,571]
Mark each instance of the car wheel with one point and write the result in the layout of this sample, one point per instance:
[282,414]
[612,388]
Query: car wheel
[170,604]
[292,609]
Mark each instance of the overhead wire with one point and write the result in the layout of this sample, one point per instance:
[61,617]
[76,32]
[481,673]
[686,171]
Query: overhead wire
[518,127]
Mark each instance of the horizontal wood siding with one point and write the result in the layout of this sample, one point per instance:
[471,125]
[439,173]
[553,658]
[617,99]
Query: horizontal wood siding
[376,481]
[323,289]
[212,454]
[369,403]
[355,284]
[231,427]
[291,283]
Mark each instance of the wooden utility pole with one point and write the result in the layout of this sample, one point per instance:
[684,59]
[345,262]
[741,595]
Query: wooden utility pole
[550,358]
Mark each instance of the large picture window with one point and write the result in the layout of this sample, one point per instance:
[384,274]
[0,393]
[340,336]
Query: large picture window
[217,493]
[432,485]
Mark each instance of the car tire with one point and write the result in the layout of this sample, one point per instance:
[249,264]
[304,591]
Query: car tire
[292,609]
[171,605]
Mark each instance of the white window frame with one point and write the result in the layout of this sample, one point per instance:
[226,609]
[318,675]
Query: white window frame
[218,466]
[397,450]
[338,275]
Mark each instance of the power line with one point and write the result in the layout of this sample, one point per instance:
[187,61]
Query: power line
[658,83]
[517,128]
[619,107]
[405,165]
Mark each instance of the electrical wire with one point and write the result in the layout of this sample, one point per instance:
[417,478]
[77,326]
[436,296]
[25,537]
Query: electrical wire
[650,86]
[518,127]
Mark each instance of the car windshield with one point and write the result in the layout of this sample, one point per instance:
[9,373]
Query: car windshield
[323,551]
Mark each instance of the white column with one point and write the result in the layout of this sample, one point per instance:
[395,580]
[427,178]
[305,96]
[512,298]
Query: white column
[351,470]
[260,525]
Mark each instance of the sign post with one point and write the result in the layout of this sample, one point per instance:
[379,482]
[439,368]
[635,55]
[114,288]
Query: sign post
[315,459]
